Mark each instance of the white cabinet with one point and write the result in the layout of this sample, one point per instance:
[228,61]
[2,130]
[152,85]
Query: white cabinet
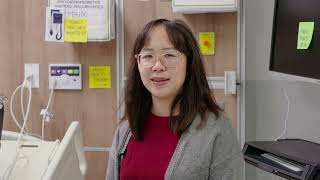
[204,6]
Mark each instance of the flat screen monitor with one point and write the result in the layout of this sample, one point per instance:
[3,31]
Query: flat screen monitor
[287,59]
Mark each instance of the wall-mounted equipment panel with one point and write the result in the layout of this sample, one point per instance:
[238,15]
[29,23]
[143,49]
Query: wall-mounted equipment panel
[204,6]
[65,76]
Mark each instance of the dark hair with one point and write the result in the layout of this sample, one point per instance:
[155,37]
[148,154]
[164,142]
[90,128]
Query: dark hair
[194,97]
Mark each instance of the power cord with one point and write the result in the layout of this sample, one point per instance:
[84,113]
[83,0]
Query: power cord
[287,114]
[17,153]
[11,103]
[22,86]
[45,112]
[22,104]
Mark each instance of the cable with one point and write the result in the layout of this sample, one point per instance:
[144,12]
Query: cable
[22,104]
[16,155]
[46,110]
[287,114]
[58,37]
[11,108]
[22,86]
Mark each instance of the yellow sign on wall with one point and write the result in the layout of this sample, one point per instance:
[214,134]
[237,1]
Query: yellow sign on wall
[99,77]
[75,30]
[206,42]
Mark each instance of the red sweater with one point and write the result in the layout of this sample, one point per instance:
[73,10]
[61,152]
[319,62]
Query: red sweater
[149,158]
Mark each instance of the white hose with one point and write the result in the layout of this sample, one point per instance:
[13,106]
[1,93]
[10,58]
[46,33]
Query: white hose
[46,110]
[15,158]
[11,107]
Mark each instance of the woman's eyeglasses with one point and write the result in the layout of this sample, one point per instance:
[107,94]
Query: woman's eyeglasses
[167,59]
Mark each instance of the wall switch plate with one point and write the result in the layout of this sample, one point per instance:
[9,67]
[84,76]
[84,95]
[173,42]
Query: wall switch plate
[65,76]
[230,82]
[33,71]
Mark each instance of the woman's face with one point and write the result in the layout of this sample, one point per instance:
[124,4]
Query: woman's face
[162,68]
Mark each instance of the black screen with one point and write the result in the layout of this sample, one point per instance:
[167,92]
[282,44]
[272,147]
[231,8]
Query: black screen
[285,57]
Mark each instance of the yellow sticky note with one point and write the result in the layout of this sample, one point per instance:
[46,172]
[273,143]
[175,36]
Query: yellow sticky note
[75,30]
[99,77]
[305,34]
[207,43]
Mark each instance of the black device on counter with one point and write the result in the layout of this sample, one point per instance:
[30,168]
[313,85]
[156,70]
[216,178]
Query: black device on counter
[294,159]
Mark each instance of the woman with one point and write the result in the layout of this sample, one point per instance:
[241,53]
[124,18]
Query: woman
[172,128]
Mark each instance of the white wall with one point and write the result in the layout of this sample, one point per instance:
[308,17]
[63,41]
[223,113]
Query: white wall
[266,104]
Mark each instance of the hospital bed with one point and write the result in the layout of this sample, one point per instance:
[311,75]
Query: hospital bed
[43,160]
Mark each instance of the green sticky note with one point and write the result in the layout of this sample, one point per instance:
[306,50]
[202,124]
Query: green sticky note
[305,34]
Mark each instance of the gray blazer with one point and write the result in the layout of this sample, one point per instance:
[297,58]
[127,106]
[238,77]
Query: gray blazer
[209,153]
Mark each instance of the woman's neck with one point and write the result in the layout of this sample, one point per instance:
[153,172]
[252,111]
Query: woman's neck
[162,107]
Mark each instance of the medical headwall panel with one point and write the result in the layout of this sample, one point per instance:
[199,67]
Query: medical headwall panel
[22,41]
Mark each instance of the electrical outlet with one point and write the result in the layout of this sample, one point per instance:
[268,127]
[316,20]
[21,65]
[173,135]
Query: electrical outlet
[33,71]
